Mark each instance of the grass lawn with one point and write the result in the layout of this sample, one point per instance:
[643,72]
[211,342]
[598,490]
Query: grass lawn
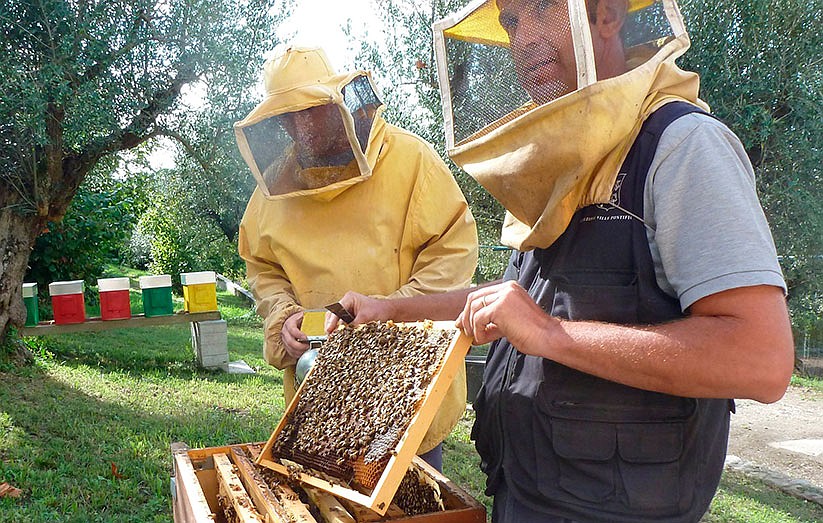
[85,431]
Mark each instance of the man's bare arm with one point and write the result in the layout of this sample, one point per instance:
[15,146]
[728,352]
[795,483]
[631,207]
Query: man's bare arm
[443,306]
[733,344]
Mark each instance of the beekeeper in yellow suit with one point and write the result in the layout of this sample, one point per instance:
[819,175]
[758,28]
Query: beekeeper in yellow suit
[344,201]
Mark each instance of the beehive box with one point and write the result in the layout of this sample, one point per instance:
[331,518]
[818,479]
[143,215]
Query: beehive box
[156,293]
[199,291]
[361,413]
[207,481]
[114,298]
[30,301]
[67,301]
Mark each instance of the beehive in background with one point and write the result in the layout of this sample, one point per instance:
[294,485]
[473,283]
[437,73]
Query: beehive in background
[114,298]
[199,291]
[156,291]
[30,301]
[67,301]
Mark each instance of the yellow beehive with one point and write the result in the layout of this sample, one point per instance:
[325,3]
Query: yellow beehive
[199,291]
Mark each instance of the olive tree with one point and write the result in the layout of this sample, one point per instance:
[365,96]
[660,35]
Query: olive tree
[760,69]
[82,80]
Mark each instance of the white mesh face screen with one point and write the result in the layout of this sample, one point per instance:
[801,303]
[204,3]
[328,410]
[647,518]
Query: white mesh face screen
[648,26]
[267,142]
[529,58]
[483,84]
[319,136]
[541,46]
[311,148]
[362,102]
[505,57]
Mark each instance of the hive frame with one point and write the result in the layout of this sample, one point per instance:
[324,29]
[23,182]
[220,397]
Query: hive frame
[381,496]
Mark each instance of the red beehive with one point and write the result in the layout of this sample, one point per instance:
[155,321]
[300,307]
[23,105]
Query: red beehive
[114,298]
[67,301]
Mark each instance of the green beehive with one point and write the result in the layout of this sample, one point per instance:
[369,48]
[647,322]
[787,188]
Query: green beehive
[30,299]
[156,291]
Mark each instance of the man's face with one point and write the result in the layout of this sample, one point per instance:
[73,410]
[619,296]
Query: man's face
[318,132]
[541,46]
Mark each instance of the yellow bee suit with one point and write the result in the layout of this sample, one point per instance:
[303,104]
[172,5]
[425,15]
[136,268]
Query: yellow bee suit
[403,231]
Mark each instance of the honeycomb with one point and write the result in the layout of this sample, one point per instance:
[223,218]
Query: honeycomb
[417,494]
[366,386]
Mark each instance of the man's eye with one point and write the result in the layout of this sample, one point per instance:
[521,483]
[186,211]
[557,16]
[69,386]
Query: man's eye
[542,5]
[508,22]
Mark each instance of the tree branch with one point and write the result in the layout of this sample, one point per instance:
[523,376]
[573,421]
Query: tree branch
[137,132]
[53,156]
[188,146]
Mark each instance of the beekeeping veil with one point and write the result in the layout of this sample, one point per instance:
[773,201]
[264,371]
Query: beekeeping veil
[314,133]
[542,99]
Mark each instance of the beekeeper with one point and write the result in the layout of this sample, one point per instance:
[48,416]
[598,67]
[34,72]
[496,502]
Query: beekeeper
[344,201]
[646,283]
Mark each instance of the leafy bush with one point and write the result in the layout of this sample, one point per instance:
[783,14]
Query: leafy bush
[137,252]
[96,224]
[182,241]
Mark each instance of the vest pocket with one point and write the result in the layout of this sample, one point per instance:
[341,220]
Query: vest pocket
[649,469]
[610,302]
[617,465]
[583,453]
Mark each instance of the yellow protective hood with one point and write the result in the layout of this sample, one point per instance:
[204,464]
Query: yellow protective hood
[552,160]
[482,27]
[300,79]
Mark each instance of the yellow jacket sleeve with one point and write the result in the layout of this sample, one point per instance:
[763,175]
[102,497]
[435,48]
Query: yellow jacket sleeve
[272,291]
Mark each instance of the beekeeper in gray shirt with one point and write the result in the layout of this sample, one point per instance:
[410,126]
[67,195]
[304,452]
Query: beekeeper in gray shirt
[644,293]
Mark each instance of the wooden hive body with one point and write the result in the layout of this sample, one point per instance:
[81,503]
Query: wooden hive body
[205,479]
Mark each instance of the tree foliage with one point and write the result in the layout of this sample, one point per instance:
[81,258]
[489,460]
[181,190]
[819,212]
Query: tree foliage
[760,69]
[178,238]
[80,81]
[91,235]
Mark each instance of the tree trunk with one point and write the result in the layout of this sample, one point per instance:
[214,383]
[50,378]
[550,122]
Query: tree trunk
[18,230]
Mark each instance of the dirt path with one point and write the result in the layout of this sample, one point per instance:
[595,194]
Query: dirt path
[786,436]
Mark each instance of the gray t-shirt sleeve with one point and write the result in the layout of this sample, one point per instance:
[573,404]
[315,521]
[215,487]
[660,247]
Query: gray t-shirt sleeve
[706,228]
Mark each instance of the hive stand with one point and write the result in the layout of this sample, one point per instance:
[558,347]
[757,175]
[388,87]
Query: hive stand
[209,339]
[209,335]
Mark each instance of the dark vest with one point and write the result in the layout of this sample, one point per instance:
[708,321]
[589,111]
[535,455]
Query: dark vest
[578,446]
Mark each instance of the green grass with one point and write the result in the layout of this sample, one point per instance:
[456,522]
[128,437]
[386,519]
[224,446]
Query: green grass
[744,500]
[120,398]
[808,382]
[94,401]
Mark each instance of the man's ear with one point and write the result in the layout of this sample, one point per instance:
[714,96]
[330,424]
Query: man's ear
[609,17]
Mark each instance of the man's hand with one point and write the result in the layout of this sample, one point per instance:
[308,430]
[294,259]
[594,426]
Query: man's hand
[294,340]
[363,308]
[507,310]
